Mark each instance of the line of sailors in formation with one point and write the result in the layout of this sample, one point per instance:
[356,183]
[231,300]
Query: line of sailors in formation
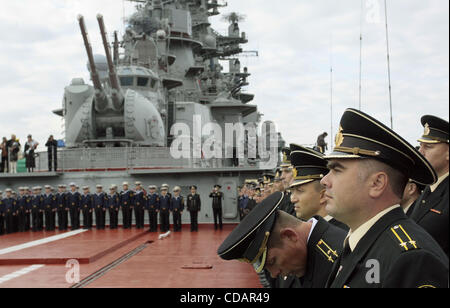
[34,210]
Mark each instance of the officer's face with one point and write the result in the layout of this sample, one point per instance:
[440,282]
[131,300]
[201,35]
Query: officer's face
[346,193]
[73,188]
[287,259]
[176,193]
[307,200]
[47,191]
[437,154]
[21,192]
[99,190]
[152,191]
[8,194]
[286,177]
[193,191]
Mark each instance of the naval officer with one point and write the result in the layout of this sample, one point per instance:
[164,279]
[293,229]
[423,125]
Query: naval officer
[139,202]
[112,205]
[284,245]
[217,197]
[194,206]
[126,204]
[99,200]
[152,208]
[74,203]
[163,208]
[369,168]
[308,195]
[431,209]
[177,208]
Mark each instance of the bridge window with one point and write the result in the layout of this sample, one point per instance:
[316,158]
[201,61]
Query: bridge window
[142,81]
[127,81]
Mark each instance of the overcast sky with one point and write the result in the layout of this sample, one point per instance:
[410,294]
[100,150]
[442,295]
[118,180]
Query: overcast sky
[41,50]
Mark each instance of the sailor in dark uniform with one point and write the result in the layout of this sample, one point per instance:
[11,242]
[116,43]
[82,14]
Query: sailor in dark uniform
[36,209]
[112,206]
[126,204]
[432,208]
[99,203]
[49,205]
[28,206]
[62,207]
[369,168]
[284,245]
[21,209]
[177,208]
[194,206]
[74,204]
[152,208]
[163,208]
[86,204]
[412,192]
[217,197]
[140,199]
[9,211]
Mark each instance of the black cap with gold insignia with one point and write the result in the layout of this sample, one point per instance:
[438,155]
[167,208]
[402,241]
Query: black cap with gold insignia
[309,166]
[286,162]
[436,130]
[361,136]
[248,241]
[268,177]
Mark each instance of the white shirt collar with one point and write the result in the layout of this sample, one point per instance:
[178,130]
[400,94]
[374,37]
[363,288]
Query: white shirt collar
[440,180]
[328,218]
[314,223]
[354,237]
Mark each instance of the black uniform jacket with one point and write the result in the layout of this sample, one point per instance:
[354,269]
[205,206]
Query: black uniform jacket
[324,246]
[394,253]
[193,203]
[431,213]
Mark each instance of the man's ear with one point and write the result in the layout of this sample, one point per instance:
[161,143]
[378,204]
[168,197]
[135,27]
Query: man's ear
[289,235]
[378,183]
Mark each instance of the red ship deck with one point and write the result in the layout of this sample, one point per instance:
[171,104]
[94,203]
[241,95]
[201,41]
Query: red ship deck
[121,259]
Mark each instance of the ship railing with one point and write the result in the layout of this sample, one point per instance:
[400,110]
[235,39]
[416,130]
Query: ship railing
[130,159]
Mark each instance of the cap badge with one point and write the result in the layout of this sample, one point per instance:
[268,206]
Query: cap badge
[427,129]
[339,137]
[294,172]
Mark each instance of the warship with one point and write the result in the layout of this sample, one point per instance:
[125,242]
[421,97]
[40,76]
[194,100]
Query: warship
[159,87]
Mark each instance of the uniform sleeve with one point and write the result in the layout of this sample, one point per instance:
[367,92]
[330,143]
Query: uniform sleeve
[199,203]
[182,204]
[417,269]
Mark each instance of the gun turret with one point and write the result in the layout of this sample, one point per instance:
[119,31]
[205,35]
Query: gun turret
[101,99]
[116,91]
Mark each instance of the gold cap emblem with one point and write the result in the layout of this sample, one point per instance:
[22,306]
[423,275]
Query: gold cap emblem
[339,137]
[285,160]
[294,172]
[427,130]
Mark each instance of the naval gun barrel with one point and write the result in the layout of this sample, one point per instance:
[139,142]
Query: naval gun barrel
[116,91]
[100,97]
